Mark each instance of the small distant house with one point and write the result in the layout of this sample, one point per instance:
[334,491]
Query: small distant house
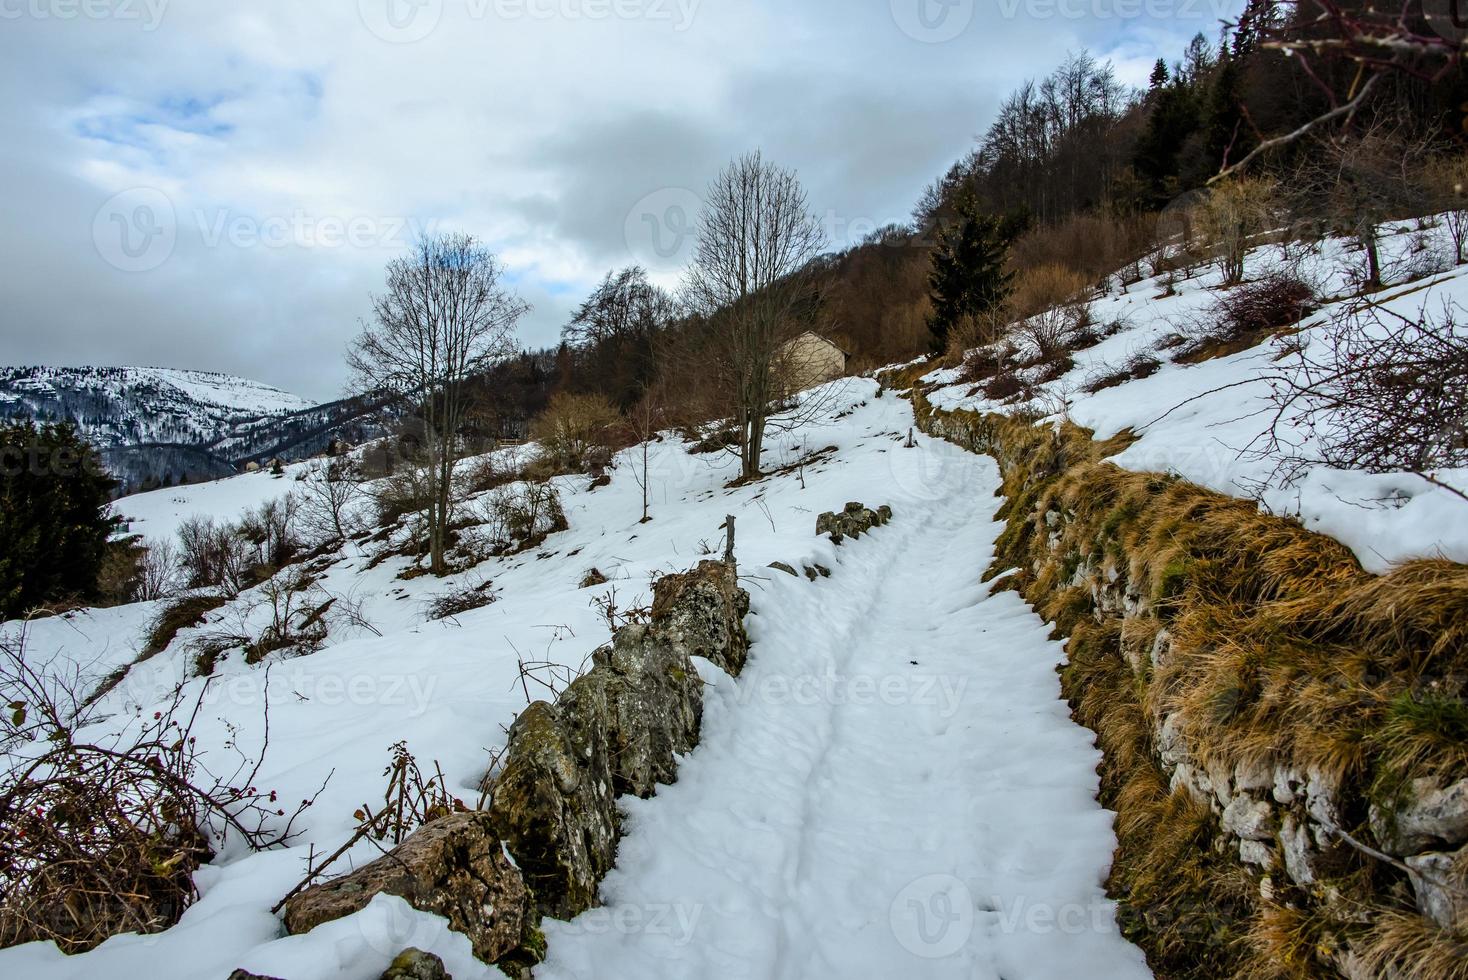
[810,360]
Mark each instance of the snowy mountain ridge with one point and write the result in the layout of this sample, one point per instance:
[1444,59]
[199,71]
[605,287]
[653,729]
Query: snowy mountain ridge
[131,405]
[165,424]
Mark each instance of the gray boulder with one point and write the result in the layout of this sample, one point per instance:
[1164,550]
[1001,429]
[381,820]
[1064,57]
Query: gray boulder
[454,867]
[854,520]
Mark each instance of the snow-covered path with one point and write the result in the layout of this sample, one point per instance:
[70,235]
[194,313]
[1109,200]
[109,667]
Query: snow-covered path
[892,789]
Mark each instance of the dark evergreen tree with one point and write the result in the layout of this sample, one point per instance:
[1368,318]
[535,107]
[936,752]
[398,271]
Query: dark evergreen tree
[1159,75]
[54,525]
[1226,136]
[1173,120]
[968,277]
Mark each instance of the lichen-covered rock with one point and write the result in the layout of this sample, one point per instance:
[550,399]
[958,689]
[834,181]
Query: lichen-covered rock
[414,964]
[616,730]
[701,613]
[1441,883]
[454,867]
[553,802]
[1299,855]
[653,700]
[1248,818]
[853,521]
[1256,853]
[1431,816]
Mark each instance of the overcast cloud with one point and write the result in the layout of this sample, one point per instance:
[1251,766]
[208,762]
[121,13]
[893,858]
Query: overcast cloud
[217,184]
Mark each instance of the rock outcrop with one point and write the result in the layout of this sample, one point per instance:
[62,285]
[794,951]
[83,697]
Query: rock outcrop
[453,867]
[414,964]
[854,520]
[617,730]
[700,613]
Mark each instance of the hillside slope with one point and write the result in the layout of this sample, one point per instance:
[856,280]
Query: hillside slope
[447,688]
[153,424]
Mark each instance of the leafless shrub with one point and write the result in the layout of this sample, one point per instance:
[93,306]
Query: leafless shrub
[297,611]
[1140,364]
[614,615]
[450,604]
[407,491]
[327,499]
[1447,179]
[158,572]
[271,530]
[101,829]
[985,362]
[1230,216]
[411,799]
[1382,391]
[1247,313]
[512,519]
[211,554]
[573,431]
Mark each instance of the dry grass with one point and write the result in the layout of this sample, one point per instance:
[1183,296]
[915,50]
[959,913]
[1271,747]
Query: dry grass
[1281,649]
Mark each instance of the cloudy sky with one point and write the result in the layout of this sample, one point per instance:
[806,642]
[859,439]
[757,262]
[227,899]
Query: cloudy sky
[217,184]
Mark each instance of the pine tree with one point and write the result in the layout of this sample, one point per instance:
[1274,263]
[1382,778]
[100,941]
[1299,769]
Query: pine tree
[54,524]
[1225,133]
[968,277]
[1159,75]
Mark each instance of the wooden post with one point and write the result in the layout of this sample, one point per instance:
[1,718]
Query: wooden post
[729,540]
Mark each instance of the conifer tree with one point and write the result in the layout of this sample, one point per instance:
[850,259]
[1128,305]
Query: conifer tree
[54,523]
[968,277]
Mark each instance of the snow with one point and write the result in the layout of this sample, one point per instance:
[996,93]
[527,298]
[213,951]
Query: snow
[220,391]
[158,514]
[1202,421]
[1022,824]
[892,788]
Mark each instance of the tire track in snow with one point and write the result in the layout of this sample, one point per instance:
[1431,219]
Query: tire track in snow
[892,789]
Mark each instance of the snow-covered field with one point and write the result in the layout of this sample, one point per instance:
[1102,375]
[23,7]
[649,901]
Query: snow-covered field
[892,788]
[1202,421]
[959,791]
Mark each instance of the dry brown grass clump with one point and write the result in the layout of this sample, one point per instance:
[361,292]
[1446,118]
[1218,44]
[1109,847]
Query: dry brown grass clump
[1273,647]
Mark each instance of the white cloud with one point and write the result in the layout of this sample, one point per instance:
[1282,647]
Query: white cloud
[538,133]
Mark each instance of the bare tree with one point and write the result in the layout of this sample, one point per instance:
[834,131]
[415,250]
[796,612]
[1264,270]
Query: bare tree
[328,497]
[647,417]
[445,318]
[752,283]
[1371,43]
[158,572]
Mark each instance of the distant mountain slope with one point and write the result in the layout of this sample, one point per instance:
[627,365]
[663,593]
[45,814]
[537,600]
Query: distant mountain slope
[154,425]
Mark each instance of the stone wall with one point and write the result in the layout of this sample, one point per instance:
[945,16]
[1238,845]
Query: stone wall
[616,730]
[1285,735]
